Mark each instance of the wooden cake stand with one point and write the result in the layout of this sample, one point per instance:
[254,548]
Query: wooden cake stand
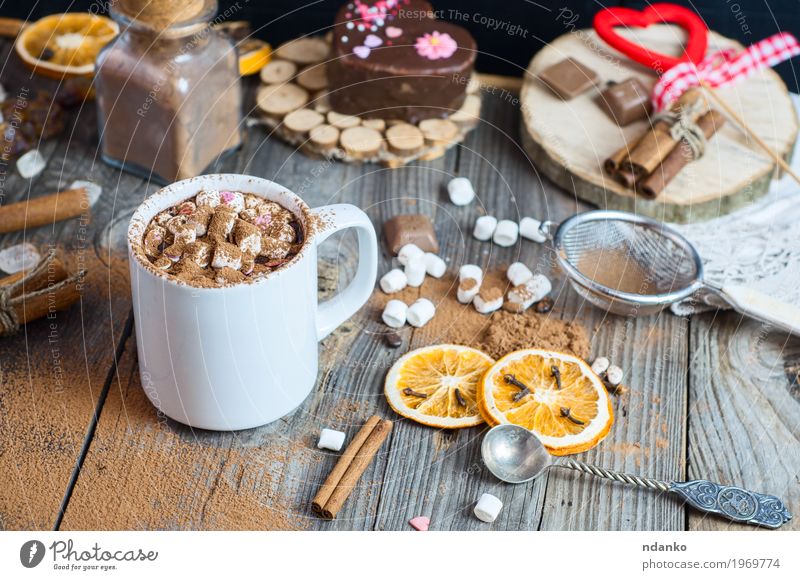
[293,103]
[570,140]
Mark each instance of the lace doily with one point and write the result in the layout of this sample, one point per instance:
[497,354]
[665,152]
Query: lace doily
[757,246]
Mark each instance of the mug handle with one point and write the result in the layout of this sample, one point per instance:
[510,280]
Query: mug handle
[337,217]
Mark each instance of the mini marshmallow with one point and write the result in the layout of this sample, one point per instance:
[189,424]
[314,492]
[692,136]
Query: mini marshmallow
[408,253]
[518,273]
[232,199]
[434,265]
[227,256]
[614,375]
[488,508]
[600,365]
[460,191]
[209,197]
[415,272]
[487,301]
[395,313]
[248,237]
[529,229]
[185,234]
[153,239]
[530,292]
[467,290]
[470,271]
[394,281]
[485,227]
[506,233]
[330,439]
[420,313]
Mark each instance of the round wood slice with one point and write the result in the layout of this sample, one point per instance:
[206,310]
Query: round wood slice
[313,77]
[325,137]
[361,142]
[278,71]
[304,50]
[405,139]
[279,100]
[302,121]
[377,124]
[438,131]
[570,140]
[343,121]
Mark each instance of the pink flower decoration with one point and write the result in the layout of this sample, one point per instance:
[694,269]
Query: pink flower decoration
[435,46]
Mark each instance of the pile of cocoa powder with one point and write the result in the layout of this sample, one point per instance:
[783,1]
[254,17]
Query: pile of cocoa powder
[496,334]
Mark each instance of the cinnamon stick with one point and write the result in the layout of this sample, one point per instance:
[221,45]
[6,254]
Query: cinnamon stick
[680,156]
[658,143]
[342,480]
[54,273]
[43,210]
[60,297]
[613,163]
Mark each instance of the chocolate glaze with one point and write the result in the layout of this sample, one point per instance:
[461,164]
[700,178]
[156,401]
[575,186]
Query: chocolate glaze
[394,81]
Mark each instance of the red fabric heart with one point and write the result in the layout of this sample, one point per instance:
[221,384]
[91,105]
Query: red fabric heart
[608,19]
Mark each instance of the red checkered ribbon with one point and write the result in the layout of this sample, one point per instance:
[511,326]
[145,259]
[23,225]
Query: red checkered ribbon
[724,67]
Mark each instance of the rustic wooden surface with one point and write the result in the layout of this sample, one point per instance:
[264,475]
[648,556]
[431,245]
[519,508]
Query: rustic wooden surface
[570,140]
[711,396]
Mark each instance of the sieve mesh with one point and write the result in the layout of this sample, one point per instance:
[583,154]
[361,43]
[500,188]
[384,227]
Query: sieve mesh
[607,253]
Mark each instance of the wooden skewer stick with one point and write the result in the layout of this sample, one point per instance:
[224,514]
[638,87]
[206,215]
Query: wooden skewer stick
[748,131]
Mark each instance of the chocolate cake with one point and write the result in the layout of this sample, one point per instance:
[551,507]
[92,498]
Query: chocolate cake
[393,60]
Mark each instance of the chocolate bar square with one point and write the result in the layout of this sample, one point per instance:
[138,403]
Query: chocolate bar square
[410,229]
[568,78]
[626,102]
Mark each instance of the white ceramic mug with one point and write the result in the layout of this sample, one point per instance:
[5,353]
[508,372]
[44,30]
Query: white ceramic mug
[241,356]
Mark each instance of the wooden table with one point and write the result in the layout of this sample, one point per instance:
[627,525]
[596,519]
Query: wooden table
[81,447]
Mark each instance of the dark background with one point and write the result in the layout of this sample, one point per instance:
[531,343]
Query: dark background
[502,53]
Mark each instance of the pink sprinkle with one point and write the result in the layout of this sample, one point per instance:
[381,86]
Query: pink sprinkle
[227,196]
[420,523]
[263,220]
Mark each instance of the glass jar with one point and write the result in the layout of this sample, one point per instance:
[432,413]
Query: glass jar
[169,96]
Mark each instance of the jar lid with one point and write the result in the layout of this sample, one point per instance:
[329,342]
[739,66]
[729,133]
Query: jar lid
[163,14]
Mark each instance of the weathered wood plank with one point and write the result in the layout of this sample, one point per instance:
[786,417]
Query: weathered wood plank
[744,412]
[55,370]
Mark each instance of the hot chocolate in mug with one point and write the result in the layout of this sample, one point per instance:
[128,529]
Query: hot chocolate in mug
[241,355]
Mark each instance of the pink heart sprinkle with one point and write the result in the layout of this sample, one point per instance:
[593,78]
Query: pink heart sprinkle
[420,523]
[372,41]
[361,51]
[393,31]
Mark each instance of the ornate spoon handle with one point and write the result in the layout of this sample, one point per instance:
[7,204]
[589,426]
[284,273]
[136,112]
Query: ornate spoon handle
[734,503]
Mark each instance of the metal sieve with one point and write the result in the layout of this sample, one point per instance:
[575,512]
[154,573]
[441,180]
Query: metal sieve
[633,265]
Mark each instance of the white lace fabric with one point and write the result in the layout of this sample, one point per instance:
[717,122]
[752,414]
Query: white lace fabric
[757,246]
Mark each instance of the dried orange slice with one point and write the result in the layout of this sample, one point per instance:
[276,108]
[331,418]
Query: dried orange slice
[437,385]
[65,45]
[254,54]
[555,395]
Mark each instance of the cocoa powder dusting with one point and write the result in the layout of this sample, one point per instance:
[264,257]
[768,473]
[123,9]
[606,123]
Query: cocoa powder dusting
[496,334]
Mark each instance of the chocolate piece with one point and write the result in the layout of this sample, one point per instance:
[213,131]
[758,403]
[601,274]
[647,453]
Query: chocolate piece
[544,305]
[394,60]
[393,340]
[568,78]
[410,229]
[626,102]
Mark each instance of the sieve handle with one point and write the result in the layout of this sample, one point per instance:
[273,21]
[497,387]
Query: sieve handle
[762,307]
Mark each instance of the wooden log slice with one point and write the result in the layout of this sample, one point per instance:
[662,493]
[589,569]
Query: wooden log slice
[405,139]
[377,124]
[301,121]
[313,77]
[361,142]
[278,71]
[343,121]
[570,140]
[438,132]
[308,50]
[324,137]
[279,100]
